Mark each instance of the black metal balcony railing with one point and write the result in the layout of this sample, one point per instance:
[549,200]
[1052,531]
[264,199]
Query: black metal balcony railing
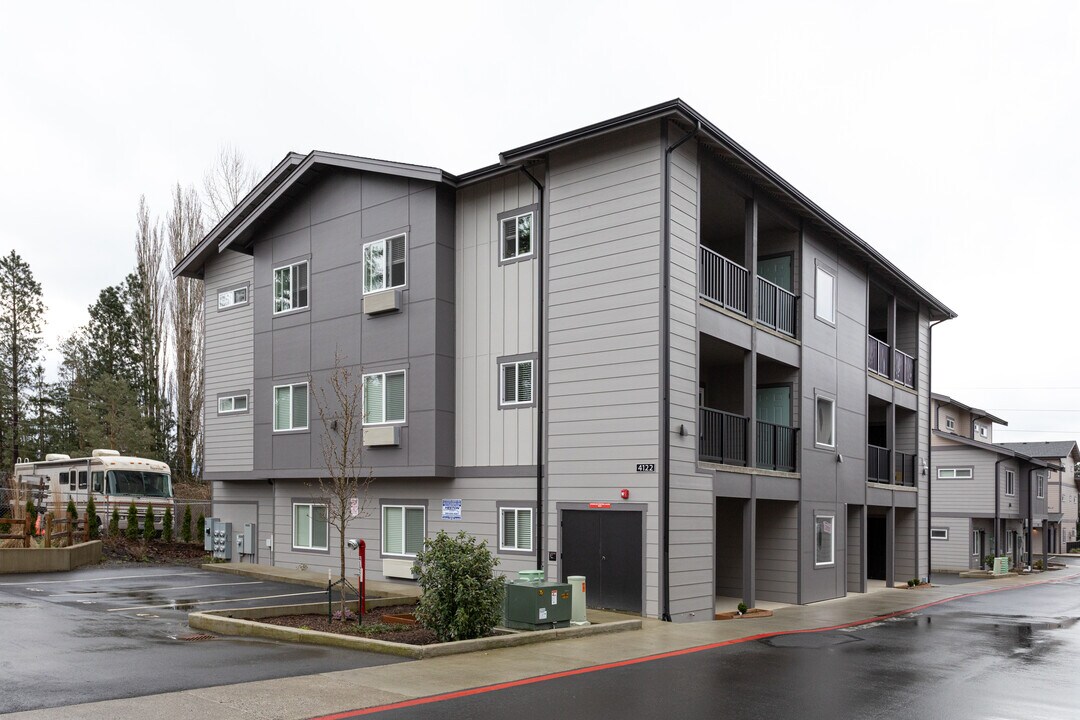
[724,282]
[776,307]
[877,464]
[905,469]
[722,437]
[903,368]
[776,446]
[877,356]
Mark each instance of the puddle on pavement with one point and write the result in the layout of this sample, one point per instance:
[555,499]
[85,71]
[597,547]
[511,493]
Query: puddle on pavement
[810,641]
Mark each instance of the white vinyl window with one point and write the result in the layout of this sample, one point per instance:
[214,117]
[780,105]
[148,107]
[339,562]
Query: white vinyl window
[825,421]
[1040,485]
[954,473]
[825,295]
[824,539]
[310,530]
[231,404]
[384,398]
[403,529]
[516,235]
[291,287]
[515,528]
[231,298]
[939,533]
[950,423]
[1010,482]
[976,544]
[516,383]
[384,264]
[291,407]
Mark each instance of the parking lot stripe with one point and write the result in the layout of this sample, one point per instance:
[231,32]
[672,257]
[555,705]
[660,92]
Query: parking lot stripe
[215,602]
[99,579]
[163,589]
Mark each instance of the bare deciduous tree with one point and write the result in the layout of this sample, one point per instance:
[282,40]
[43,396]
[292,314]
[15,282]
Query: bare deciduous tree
[184,227]
[151,318]
[345,488]
[227,181]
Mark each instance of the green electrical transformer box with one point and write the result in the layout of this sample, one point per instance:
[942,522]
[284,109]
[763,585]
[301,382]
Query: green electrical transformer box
[536,605]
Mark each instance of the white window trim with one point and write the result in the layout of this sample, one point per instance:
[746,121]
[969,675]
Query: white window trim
[404,530]
[311,527]
[1008,474]
[404,392]
[502,238]
[503,402]
[233,399]
[293,308]
[817,441]
[976,549]
[832,540]
[942,473]
[386,267]
[232,292]
[817,294]
[307,420]
[939,531]
[1040,486]
[950,423]
[502,527]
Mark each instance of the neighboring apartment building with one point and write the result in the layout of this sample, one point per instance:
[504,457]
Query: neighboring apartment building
[1062,495]
[631,352]
[987,498]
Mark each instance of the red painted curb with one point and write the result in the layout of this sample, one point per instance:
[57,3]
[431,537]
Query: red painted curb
[660,656]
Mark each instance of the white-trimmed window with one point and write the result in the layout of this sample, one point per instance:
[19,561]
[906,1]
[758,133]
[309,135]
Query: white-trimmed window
[291,287]
[1010,482]
[950,423]
[403,529]
[384,264]
[233,297]
[516,383]
[824,539]
[310,527]
[825,421]
[515,529]
[232,404]
[976,544]
[516,234]
[384,398]
[939,533]
[954,473]
[291,407]
[825,295]
[1040,485]
[982,430]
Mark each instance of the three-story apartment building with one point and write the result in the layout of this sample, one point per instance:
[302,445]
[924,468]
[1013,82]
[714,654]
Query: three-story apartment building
[631,351]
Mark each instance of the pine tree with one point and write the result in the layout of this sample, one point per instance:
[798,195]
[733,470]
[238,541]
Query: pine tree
[94,524]
[21,312]
[114,523]
[166,526]
[132,522]
[148,523]
[185,525]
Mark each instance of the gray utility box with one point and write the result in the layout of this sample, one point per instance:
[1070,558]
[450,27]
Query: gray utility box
[246,542]
[222,540]
[208,534]
[536,604]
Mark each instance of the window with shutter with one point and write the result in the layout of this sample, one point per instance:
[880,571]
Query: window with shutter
[291,407]
[384,398]
[384,264]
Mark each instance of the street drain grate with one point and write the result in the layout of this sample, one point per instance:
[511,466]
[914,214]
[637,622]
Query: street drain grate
[194,638]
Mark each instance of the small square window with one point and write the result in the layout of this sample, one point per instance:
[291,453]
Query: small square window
[825,421]
[384,264]
[291,287]
[384,398]
[825,295]
[516,234]
[824,539]
[291,407]
[516,383]
[515,529]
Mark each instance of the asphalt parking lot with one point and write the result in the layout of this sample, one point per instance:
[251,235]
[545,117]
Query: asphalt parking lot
[103,633]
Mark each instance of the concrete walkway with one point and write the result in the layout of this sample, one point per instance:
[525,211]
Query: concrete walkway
[304,697]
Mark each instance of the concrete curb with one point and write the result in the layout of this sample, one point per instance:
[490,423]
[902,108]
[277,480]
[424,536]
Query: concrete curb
[244,623]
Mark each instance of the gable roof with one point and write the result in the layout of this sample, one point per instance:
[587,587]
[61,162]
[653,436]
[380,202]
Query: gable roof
[1055,449]
[996,448]
[976,412]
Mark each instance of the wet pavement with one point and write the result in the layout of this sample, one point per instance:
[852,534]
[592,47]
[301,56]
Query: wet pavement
[998,655]
[104,633]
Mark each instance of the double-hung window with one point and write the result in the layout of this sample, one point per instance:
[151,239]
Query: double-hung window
[291,287]
[825,421]
[232,404]
[516,233]
[1010,482]
[515,529]
[384,264]
[310,526]
[403,529]
[384,398]
[291,407]
[516,383]
[824,539]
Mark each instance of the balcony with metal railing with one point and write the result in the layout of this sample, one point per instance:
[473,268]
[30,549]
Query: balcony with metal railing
[877,356]
[777,447]
[722,437]
[727,284]
[877,467]
[776,307]
[903,368]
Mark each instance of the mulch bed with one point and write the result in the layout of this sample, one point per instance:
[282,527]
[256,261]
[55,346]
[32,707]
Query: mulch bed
[373,625]
[120,550]
[748,615]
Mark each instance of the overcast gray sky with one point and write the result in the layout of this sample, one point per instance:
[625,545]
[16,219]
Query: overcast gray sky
[943,133]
